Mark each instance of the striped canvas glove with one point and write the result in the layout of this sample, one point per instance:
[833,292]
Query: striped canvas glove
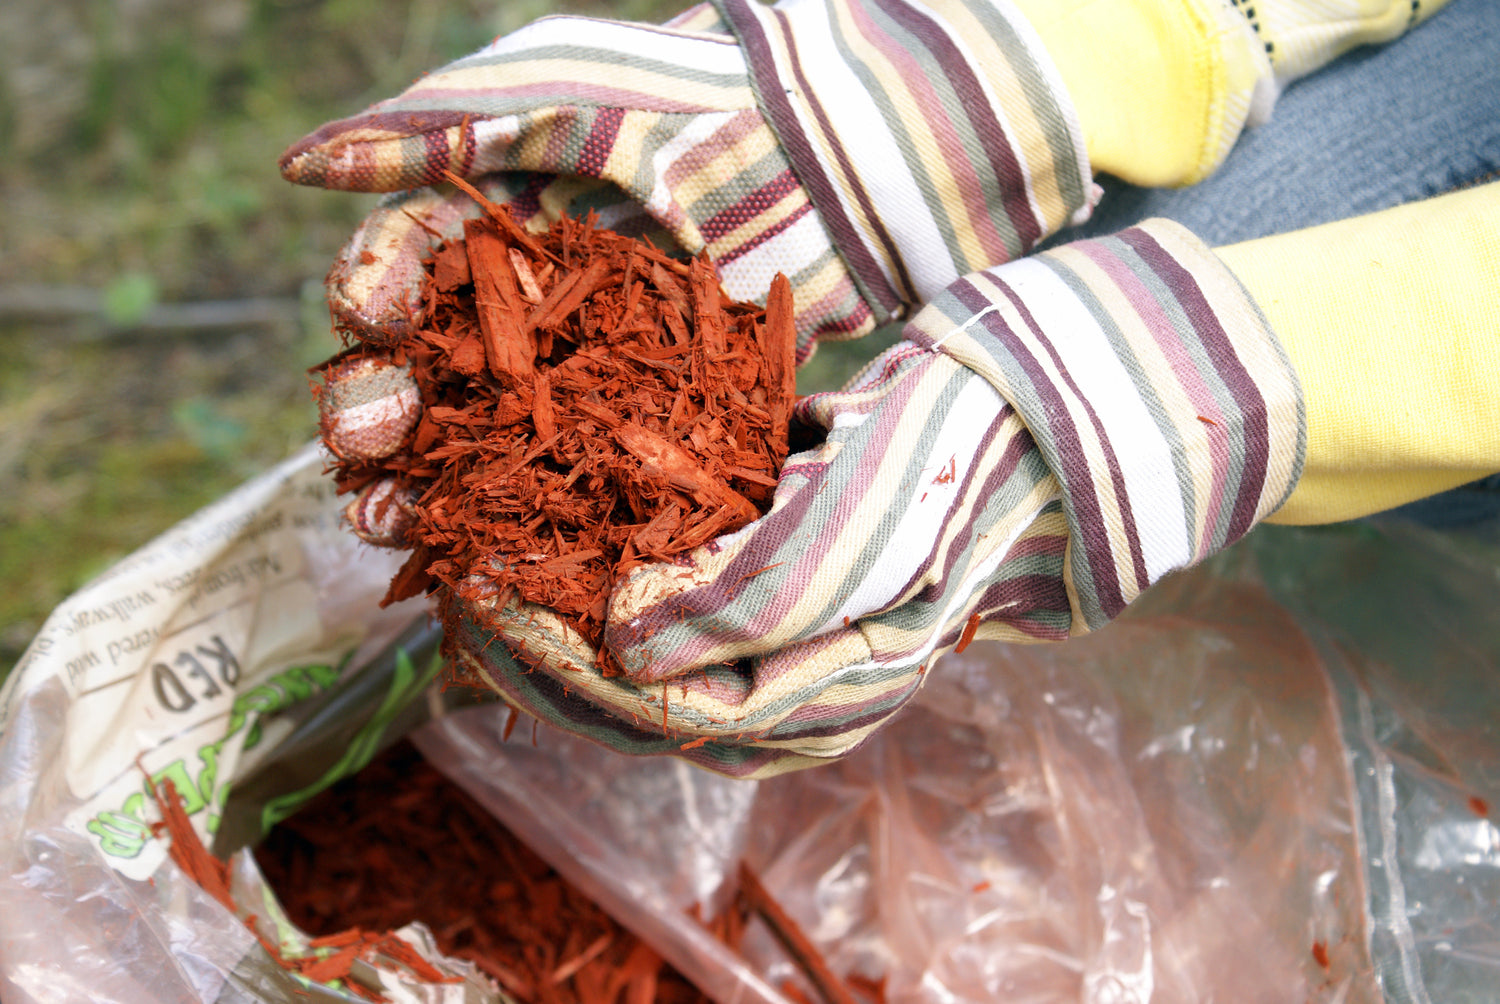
[1054,435]
[871,151]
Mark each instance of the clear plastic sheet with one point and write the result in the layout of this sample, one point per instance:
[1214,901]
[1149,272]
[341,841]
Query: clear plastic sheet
[1275,778]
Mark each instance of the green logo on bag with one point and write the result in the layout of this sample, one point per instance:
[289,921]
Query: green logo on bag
[407,683]
[123,832]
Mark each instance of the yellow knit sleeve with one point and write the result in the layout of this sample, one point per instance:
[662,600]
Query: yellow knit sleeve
[1162,88]
[1392,321]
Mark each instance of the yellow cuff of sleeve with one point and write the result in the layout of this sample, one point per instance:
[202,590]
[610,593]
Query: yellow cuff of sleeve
[1163,88]
[1392,321]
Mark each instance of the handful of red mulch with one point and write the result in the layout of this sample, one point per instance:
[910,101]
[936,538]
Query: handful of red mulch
[568,404]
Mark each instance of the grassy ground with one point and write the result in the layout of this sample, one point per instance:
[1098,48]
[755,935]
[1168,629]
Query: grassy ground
[138,147]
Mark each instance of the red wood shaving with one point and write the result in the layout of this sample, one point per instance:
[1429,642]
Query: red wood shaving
[753,900]
[588,404]
[971,626]
[212,875]
[792,938]
[185,849]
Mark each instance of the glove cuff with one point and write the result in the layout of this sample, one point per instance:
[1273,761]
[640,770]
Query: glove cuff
[934,138]
[1163,88]
[1301,36]
[1153,386]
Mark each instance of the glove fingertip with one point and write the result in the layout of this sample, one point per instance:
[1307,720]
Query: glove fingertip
[293,163]
[644,656]
[372,297]
[306,162]
[368,406]
[383,514]
[375,284]
[373,151]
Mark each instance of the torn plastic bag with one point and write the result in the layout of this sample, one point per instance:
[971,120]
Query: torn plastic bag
[244,658]
[1272,779]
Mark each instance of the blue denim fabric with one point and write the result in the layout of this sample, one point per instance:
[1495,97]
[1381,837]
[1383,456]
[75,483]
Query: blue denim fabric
[1382,126]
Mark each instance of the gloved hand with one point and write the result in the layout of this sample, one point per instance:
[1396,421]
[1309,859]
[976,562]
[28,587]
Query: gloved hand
[1053,435]
[872,152]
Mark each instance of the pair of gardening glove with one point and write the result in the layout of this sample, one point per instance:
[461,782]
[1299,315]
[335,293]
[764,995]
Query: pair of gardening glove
[1052,434]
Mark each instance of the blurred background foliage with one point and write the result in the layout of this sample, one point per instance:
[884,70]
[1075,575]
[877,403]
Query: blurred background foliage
[160,285]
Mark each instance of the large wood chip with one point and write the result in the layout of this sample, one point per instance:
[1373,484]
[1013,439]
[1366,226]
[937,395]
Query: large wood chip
[508,345]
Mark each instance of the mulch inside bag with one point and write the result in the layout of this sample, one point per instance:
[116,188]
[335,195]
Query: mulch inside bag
[398,842]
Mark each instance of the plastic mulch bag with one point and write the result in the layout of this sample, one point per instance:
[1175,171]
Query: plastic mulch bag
[1275,778]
